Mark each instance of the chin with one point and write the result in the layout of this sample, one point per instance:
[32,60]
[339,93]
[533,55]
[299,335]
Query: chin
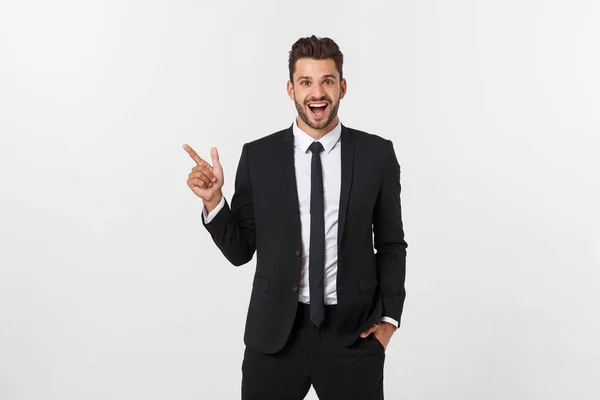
[318,124]
[323,120]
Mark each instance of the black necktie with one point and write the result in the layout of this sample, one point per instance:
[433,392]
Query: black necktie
[316,259]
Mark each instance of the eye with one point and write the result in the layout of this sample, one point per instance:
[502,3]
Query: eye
[327,81]
[304,83]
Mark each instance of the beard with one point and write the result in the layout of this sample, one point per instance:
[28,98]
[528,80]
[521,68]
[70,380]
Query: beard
[317,125]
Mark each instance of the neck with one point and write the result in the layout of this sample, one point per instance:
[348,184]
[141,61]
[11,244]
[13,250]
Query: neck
[317,133]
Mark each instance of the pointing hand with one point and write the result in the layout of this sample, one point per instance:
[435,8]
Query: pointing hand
[205,180]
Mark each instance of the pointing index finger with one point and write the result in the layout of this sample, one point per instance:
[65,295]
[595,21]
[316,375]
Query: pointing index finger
[193,154]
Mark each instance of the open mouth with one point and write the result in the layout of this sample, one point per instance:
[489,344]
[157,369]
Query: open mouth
[318,109]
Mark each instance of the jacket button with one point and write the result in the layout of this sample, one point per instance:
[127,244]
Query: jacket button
[295,288]
[298,252]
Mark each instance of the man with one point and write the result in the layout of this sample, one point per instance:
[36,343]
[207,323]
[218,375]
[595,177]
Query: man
[309,199]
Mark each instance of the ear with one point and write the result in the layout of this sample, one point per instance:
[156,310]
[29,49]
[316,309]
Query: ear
[290,90]
[343,88]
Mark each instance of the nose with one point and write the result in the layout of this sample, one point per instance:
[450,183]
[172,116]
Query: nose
[318,92]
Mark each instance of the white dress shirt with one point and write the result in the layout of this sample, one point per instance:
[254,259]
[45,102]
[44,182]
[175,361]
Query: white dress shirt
[332,173]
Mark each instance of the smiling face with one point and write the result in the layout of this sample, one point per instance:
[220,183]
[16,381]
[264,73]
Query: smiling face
[316,90]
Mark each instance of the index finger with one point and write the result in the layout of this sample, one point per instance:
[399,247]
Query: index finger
[192,154]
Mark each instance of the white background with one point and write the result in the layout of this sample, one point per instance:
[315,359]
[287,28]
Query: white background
[111,288]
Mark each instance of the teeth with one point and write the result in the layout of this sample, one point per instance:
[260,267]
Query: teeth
[318,105]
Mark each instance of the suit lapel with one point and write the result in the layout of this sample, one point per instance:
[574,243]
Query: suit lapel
[288,181]
[289,178]
[346,180]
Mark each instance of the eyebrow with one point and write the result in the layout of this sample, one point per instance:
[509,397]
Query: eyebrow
[328,76]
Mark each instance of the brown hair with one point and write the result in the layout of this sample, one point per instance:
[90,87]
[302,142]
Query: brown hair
[316,48]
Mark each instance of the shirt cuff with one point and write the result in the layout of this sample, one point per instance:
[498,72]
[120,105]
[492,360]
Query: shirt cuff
[390,320]
[209,216]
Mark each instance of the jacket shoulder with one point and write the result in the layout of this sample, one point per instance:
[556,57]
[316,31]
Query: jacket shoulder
[362,138]
[268,140]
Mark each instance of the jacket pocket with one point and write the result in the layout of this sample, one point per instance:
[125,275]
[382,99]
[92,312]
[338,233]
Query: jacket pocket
[369,188]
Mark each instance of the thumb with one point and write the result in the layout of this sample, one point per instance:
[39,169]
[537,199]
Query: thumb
[366,333]
[214,153]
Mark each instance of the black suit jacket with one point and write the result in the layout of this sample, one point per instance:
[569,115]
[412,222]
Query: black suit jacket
[264,217]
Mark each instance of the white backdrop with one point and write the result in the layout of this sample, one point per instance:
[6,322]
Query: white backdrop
[108,279]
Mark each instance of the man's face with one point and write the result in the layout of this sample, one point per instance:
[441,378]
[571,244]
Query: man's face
[317,91]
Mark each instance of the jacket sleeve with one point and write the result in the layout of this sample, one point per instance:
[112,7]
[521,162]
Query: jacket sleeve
[389,240]
[233,229]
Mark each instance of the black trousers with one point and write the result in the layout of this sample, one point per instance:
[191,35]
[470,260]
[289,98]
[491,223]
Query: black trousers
[313,356]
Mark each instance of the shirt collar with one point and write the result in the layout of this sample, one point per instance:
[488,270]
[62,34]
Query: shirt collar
[304,140]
